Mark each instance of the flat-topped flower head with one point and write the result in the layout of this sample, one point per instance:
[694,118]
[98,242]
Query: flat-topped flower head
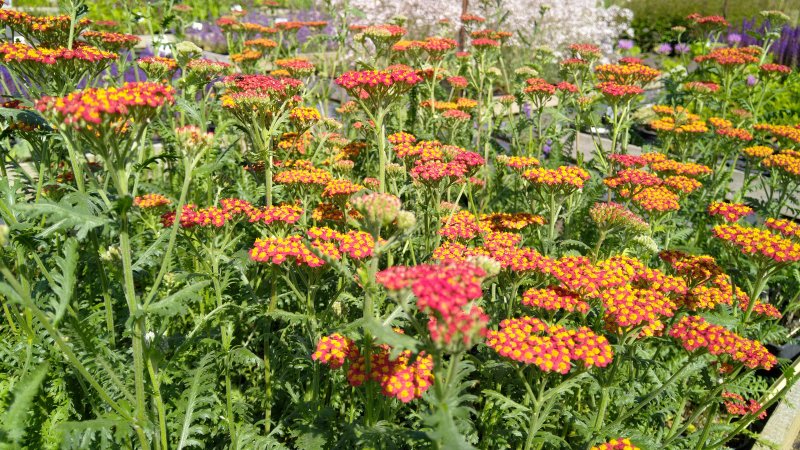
[555,299]
[785,227]
[696,333]
[518,163]
[151,201]
[588,52]
[701,87]
[626,73]
[304,117]
[202,71]
[730,58]
[615,92]
[341,188]
[736,405]
[112,106]
[616,444]
[729,212]
[401,137]
[297,67]
[510,221]
[759,243]
[311,177]
[379,86]
[112,42]
[783,163]
[45,30]
[53,70]
[158,68]
[552,348]
[656,199]
[563,178]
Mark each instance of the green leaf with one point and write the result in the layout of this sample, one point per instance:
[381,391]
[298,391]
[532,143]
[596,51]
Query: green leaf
[384,334]
[198,402]
[173,304]
[76,211]
[16,416]
[64,286]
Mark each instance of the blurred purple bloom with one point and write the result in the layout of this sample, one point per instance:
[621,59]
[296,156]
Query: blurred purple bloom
[547,147]
[681,48]
[734,39]
[664,49]
[526,108]
[786,49]
[752,80]
[625,44]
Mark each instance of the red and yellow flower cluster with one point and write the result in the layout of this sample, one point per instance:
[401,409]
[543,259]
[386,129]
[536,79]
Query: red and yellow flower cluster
[759,243]
[552,348]
[696,333]
[321,241]
[133,101]
[398,378]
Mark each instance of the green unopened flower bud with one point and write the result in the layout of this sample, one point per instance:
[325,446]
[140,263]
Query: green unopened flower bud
[344,165]
[776,18]
[377,209]
[679,29]
[110,254]
[406,220]
[526,72]
[494,72]
[394,170]
[185,50]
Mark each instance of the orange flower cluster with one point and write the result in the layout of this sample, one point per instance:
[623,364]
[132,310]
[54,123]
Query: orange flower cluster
[113,42]
[690,169]
[554,299]
[656,199]
[148,201]
[80,56]
[632,179]
[735,134]
[696,333]
[325,241]
[758,152]
[297,67]
[262,43]
[46,30]
[731,57]
[398,378]
[615,92]
[510,221]
[401,137]
[735,405]
[682,184]
[341,188]
[552,348]
[786,132]
[626,73]
[730,212]
[564,178]
[305,176]
[379,85]
[786,162]
[616,444]
[759,243]
[517,162]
